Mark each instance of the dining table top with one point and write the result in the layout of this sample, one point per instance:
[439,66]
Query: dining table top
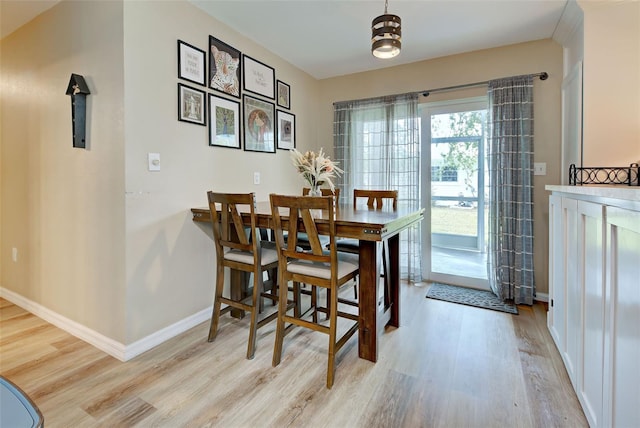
[359,222]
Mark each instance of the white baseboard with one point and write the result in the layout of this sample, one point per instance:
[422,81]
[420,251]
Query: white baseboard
[160,336]
[542,297]
[114,348]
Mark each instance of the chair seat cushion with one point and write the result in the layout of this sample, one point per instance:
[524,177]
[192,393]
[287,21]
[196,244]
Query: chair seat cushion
[269,255]
[347,264]
[348,245]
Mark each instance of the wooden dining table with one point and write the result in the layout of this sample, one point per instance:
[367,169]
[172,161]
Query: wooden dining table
[377,306]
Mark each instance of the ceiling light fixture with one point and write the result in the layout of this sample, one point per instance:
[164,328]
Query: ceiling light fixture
[386,35]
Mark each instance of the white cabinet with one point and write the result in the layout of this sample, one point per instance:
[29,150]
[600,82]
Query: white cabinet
[622,348]
[594,311]
[590,280]
[556,321]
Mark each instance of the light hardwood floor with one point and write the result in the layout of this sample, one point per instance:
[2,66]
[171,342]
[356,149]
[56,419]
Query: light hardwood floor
[447,366]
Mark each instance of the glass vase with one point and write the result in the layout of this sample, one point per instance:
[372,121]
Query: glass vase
[315,191]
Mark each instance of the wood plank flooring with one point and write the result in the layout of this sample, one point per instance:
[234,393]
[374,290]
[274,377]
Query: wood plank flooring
[447,366]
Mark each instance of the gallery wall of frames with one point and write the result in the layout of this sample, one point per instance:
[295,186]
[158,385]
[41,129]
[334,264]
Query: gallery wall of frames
[239,99]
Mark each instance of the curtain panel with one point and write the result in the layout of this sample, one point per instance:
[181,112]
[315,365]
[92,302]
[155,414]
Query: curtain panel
[510,158]
[377,142]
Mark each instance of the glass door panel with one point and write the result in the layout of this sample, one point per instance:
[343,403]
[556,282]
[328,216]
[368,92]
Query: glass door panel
[455,142]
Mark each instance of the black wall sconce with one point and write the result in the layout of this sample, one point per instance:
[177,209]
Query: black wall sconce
[78,90]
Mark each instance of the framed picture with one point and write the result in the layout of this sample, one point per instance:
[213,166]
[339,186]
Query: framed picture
[258,77]
[284,94]
[259,122]
[191,63]
[286,123]
[191,105]
[224,122]
[225,68]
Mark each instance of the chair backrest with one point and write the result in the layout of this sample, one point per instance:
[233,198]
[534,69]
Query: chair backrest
[325,192]
[375,198]
[228,227]
[301,213]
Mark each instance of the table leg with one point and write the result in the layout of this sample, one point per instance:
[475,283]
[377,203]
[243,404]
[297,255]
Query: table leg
[368,301]
[393,282]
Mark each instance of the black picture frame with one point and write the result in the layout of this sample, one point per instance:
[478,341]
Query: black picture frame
[259,78]
[283,92]
[286,130]
[192,105]
[191,63]
[224,122]
[258,125]
[224,79]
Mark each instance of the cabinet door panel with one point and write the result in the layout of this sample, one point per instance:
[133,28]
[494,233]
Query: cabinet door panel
[573,320]
[591,279]
[556,315]
[622,355]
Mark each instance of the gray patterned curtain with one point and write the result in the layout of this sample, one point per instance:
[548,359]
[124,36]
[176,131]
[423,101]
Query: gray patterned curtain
[377,142]
[511,188]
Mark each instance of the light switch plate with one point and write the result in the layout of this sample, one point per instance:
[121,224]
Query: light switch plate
[154,161]
[539,168]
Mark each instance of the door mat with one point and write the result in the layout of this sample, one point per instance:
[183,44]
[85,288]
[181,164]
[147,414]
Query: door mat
[470,297]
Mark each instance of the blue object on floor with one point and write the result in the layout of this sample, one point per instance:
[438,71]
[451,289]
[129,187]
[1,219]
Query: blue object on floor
[16,408]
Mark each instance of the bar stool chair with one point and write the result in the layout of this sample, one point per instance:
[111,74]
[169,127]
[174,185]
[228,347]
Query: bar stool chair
[375,200]
[239,248]
[318,267]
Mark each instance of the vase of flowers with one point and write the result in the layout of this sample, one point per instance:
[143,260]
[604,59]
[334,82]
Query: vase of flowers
[316,169]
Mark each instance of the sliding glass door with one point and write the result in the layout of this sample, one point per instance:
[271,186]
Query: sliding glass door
[454,190]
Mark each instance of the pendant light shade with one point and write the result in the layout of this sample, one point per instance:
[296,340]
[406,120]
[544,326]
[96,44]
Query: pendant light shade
[386,35]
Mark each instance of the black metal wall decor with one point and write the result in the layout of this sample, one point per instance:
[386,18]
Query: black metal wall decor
[605,175]
[78,90]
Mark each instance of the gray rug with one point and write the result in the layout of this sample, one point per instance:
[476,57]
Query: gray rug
[470,297]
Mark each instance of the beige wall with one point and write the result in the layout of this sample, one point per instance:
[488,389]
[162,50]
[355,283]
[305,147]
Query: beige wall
[63,207]
[611,82]
[544,55]
[169,272]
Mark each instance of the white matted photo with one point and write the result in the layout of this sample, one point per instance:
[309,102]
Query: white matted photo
[224,122]
[286,130]
[191,63]
[259,125]
[259,78]
[284,95]
[191,105]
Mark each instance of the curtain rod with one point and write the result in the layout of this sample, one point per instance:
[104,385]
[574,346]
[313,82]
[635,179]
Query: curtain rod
[425,93]
[543,76]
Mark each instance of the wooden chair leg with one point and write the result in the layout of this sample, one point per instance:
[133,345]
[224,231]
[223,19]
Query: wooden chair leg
[273,277]
[297,304]
[333,321]
[282,309]
[314,303]
[255,303]
[329,294]
[215,315]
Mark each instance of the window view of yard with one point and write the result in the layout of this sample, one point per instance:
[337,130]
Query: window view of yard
[455,220]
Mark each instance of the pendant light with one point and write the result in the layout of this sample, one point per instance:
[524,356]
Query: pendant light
[386,35]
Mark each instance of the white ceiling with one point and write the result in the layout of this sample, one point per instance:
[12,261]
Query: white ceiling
[328,38]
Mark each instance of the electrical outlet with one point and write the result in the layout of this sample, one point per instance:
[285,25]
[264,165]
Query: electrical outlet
[256,178]
[14,254]
[154,161]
